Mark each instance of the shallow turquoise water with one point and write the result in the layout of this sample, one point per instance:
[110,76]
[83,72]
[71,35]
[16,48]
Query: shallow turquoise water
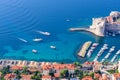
[21,18]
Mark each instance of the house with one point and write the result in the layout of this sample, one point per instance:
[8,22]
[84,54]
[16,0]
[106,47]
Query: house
[9,76]
[97,66]
[97,76]
[56,68]
[16,68]
[44,77]
[116,76]
[104,77]
[25,77]
[87,78]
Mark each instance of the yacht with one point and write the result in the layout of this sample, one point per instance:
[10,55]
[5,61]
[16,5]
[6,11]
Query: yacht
[114,57]
[95,44]
[102,60]
[89,52]
[93,47]
[118,52]
[68,20]
[107,56]
[112,60]
[23,40]
[34,51]
[101,51]
[112,49]
[44,33]
[113,34]
[37,39]
[52,47]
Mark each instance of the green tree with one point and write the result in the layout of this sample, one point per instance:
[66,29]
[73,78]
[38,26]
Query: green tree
[91,74]
[17,72]
[80,74]
[37,76]
[64,73]
[4,71]
[25,70]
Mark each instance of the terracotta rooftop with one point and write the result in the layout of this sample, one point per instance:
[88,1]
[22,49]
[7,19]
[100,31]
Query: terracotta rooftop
[87,78]
[26,77]
[117,75]
[105,77]
[9,76]
[98,76]
[88,63]
[59,66]
[46,77]
[57,75]
[16,68]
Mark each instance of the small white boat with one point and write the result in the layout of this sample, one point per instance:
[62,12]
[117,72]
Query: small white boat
[68,20]
[102,60]
[113,34]
[44,33]
[37,39]
[95,44]
[23,40]
[34,51]
[114,57]
[52,47]
[118,52]
[109,34]
[93,48]
[112,49]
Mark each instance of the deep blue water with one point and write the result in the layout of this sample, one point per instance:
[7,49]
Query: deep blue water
[21,18]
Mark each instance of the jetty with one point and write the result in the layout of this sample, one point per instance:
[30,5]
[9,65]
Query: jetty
[84,49]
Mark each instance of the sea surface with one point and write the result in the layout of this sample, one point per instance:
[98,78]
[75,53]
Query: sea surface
[22,18]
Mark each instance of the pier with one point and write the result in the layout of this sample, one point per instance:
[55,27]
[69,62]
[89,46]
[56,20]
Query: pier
[84,48]
[91,30]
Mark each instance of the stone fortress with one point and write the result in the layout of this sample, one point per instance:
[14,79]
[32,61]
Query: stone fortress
[104,25]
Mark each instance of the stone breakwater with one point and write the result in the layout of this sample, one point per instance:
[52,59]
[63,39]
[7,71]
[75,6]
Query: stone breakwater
[85,29]
[103,25]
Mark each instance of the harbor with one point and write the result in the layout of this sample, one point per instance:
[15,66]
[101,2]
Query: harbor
[105,46]
[108,54]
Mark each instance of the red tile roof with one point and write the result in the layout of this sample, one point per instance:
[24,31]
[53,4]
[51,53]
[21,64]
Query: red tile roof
[88,63]
[117,75]
[96,75]
[9,76]
[87,78]
[26,77]
[46,77]
[16,68]
[57,75]
[59,66]
[105,77]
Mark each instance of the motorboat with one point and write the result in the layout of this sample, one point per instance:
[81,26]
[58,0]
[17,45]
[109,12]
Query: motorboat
[44,33]
[118,52]
[112,49]
[95,44]
[23,40]
[52,47]
[34,51]
[114,57]
[37,39]
[107,56]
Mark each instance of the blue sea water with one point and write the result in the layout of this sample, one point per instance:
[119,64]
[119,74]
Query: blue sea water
[21,18]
